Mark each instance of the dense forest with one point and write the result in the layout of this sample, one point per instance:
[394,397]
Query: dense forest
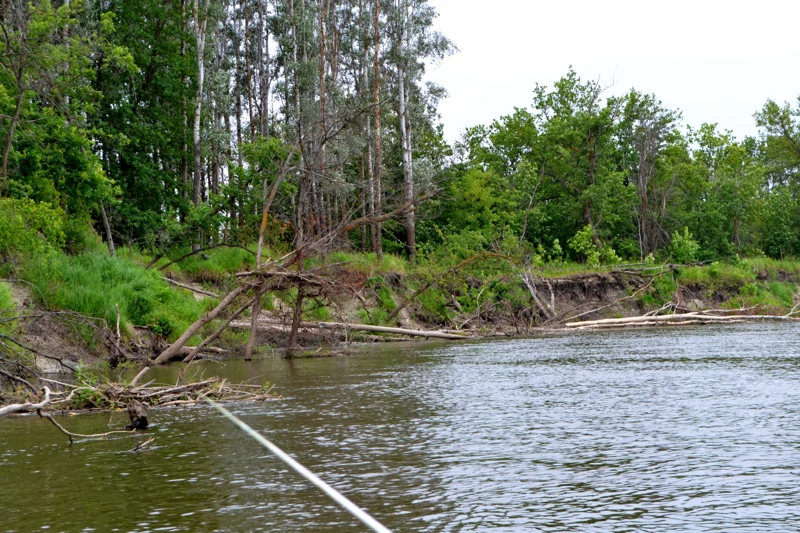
[193,122]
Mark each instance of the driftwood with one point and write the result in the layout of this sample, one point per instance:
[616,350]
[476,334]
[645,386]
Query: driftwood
[548,310]
[71,435]
[211,338]
[136,379]
[26,407]
[174,350]
[190,288]
[362,327]
[137,412]
[676,319]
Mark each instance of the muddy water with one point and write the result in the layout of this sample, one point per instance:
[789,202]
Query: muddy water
[670,430]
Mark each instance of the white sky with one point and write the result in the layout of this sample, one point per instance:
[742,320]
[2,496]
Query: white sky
[716,61]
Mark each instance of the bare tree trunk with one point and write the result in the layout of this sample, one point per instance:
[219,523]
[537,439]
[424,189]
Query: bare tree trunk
[200,20]
[10,134]
[247,70]
[264,68]
[405,141]
[296,318]
[377,245]
[107,227]
[363,198]
[254,312]
[184,110]
[373,235]
[175,348]
[323,11]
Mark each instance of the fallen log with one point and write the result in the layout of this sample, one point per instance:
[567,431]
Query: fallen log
[634,319]
[698,318]
[190,288]
[363,327]
[27,406]
[174,350]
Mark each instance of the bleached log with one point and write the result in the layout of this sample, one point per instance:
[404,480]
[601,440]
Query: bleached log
[190,288]
[26,407]
[696,318]
[365,327]
[635,319]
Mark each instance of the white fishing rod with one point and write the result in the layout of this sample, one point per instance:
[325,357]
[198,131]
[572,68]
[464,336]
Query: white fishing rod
[339,498]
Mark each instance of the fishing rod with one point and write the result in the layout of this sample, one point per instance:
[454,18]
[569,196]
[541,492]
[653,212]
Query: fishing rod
[338,497]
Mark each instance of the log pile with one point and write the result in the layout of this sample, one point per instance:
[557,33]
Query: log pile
[433,334]
[678,319]
[116,395]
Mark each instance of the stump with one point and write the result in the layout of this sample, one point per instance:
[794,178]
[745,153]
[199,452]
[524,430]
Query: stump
[138,413]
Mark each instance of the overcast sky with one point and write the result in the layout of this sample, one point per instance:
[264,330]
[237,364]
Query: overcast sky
[715,61]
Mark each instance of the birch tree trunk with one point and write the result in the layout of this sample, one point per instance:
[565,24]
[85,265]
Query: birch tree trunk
[377,244]
[405,139]
[200,15]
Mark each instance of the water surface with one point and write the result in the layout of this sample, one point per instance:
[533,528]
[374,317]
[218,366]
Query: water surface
[659,430]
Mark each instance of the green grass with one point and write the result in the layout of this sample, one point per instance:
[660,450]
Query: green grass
[772,267]
[660,291]
[6,302]
[213,265]
[367,262]
[717,275]
[774,295]
[558,270]
[93,284]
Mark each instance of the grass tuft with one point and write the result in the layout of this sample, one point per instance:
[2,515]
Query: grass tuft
[6,301]
[93,284]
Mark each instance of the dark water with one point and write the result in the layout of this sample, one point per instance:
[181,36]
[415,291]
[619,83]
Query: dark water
[671,430]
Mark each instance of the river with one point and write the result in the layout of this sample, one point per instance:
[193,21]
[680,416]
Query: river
[694,429]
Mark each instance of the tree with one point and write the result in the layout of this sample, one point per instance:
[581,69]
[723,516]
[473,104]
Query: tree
[645,132]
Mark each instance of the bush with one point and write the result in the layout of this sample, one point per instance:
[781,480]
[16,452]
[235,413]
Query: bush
[582,243]
[80,236]
[27,227]
[684,248]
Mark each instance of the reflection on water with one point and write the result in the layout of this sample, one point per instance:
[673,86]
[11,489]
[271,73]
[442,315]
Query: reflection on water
[661,430]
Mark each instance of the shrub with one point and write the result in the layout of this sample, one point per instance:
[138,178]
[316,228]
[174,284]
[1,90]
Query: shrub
[27,227]
[582,243]
[684,248]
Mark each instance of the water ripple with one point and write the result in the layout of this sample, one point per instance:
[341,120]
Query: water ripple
[679,430]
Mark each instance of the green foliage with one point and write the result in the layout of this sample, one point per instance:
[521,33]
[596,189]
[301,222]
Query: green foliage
[376,317]
[6,301]
[367,262]
[214,265]
[780,224]
[80,236]
[661,291]
[386,300]
[684,248]
[94,284]
[46,86]
[86,395]
[582,243]
[717,275]
[27,227]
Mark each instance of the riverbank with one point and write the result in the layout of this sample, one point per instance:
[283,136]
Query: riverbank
[93,309]
[365,301]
